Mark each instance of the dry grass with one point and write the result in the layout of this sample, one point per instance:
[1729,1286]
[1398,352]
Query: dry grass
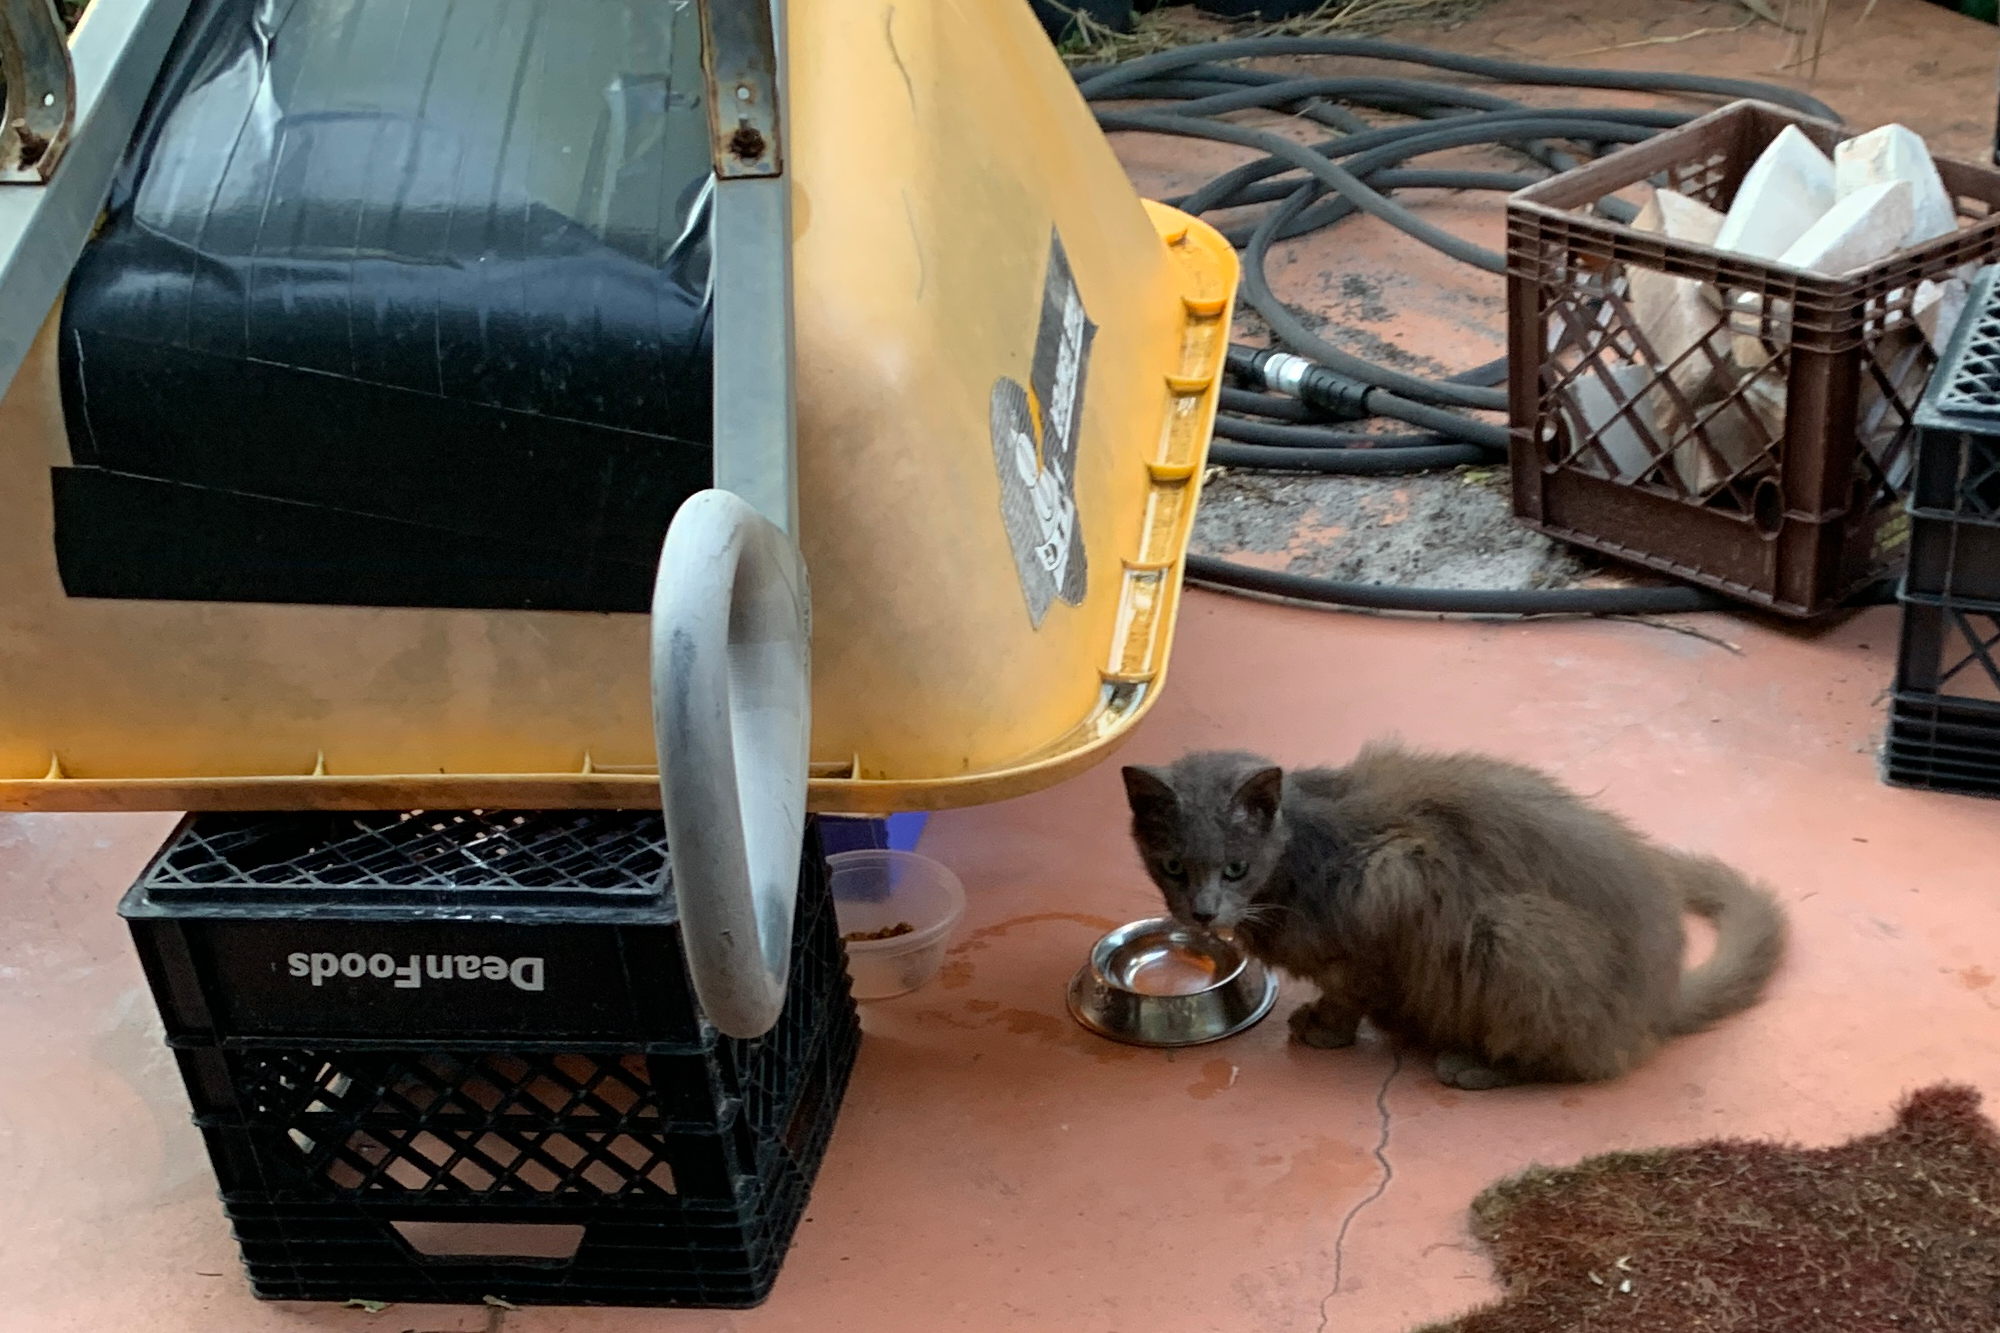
[1896,1230]
[1810,26]
[1172,26]
[1806,22]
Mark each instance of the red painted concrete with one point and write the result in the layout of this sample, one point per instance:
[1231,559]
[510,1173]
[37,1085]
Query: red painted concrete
[995,1168]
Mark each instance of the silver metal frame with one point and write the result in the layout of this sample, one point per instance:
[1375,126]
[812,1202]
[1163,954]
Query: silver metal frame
[116,54]
[732,688]
[756,420]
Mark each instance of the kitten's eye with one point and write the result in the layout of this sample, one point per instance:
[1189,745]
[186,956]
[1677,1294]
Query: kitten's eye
[1171,867]
[1236,870]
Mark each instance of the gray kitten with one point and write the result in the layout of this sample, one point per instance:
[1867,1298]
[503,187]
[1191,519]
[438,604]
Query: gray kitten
[1463,904]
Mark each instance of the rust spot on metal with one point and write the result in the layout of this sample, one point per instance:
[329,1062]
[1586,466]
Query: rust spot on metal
[32,145]
[746,144]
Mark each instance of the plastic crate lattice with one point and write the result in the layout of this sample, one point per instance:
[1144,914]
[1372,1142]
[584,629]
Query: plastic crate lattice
[1763,448]
[339,1114]
[1944,717]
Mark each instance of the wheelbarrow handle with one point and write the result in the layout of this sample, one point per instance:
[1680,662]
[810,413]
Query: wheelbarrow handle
[732,700]
[731,657]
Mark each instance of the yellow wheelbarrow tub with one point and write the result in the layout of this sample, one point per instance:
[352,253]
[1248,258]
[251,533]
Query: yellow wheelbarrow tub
[994,561]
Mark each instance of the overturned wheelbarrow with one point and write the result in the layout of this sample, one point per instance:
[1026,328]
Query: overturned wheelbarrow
[337,477]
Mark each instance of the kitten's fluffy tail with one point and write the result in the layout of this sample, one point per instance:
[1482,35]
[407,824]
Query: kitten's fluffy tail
[1749,940]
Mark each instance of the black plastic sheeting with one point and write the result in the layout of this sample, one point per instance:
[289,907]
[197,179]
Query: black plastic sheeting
[1059,17]
[398,303]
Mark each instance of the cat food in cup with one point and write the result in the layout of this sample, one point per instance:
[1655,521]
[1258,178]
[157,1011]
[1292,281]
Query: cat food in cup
[896,912]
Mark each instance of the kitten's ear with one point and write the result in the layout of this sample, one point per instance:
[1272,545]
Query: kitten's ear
[1148,794]
[1259,795]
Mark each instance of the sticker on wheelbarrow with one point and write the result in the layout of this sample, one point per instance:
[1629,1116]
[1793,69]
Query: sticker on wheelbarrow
[1035,432]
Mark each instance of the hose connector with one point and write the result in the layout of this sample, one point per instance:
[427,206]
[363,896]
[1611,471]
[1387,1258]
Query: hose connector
[1334,394]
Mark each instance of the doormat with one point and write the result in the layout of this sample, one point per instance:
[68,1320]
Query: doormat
[1896,1230]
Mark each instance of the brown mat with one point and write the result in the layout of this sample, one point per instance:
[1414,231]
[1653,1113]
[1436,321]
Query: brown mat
[1897,1230]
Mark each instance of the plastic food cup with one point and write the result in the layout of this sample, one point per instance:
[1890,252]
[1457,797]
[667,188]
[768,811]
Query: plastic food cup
[882,891]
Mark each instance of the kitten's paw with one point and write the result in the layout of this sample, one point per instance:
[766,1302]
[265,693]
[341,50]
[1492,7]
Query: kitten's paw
[1462,1071]
[1311,1027]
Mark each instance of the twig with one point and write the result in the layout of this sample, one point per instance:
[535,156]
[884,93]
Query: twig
[1660,41]
[1809,42]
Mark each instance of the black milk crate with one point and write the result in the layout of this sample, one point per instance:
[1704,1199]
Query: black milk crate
[440,1057]
[1944,718]
[1955,501]
[1944,715]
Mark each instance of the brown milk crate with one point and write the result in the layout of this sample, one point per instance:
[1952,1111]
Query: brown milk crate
[1687,469]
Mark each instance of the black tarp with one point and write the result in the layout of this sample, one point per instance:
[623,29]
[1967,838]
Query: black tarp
[397,303]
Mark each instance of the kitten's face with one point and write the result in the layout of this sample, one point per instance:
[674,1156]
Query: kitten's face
[1207,829]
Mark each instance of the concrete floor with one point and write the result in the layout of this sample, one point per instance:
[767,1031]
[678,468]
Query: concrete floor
[995,1168]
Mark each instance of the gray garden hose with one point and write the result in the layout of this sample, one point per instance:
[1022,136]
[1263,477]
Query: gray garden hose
[1310,186]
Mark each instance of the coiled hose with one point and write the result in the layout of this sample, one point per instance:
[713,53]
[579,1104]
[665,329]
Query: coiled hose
[1358,170]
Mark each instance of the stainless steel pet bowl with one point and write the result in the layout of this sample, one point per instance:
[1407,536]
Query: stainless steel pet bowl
[1120,993]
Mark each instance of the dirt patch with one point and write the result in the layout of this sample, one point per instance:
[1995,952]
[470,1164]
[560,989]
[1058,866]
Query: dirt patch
[1451,529]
